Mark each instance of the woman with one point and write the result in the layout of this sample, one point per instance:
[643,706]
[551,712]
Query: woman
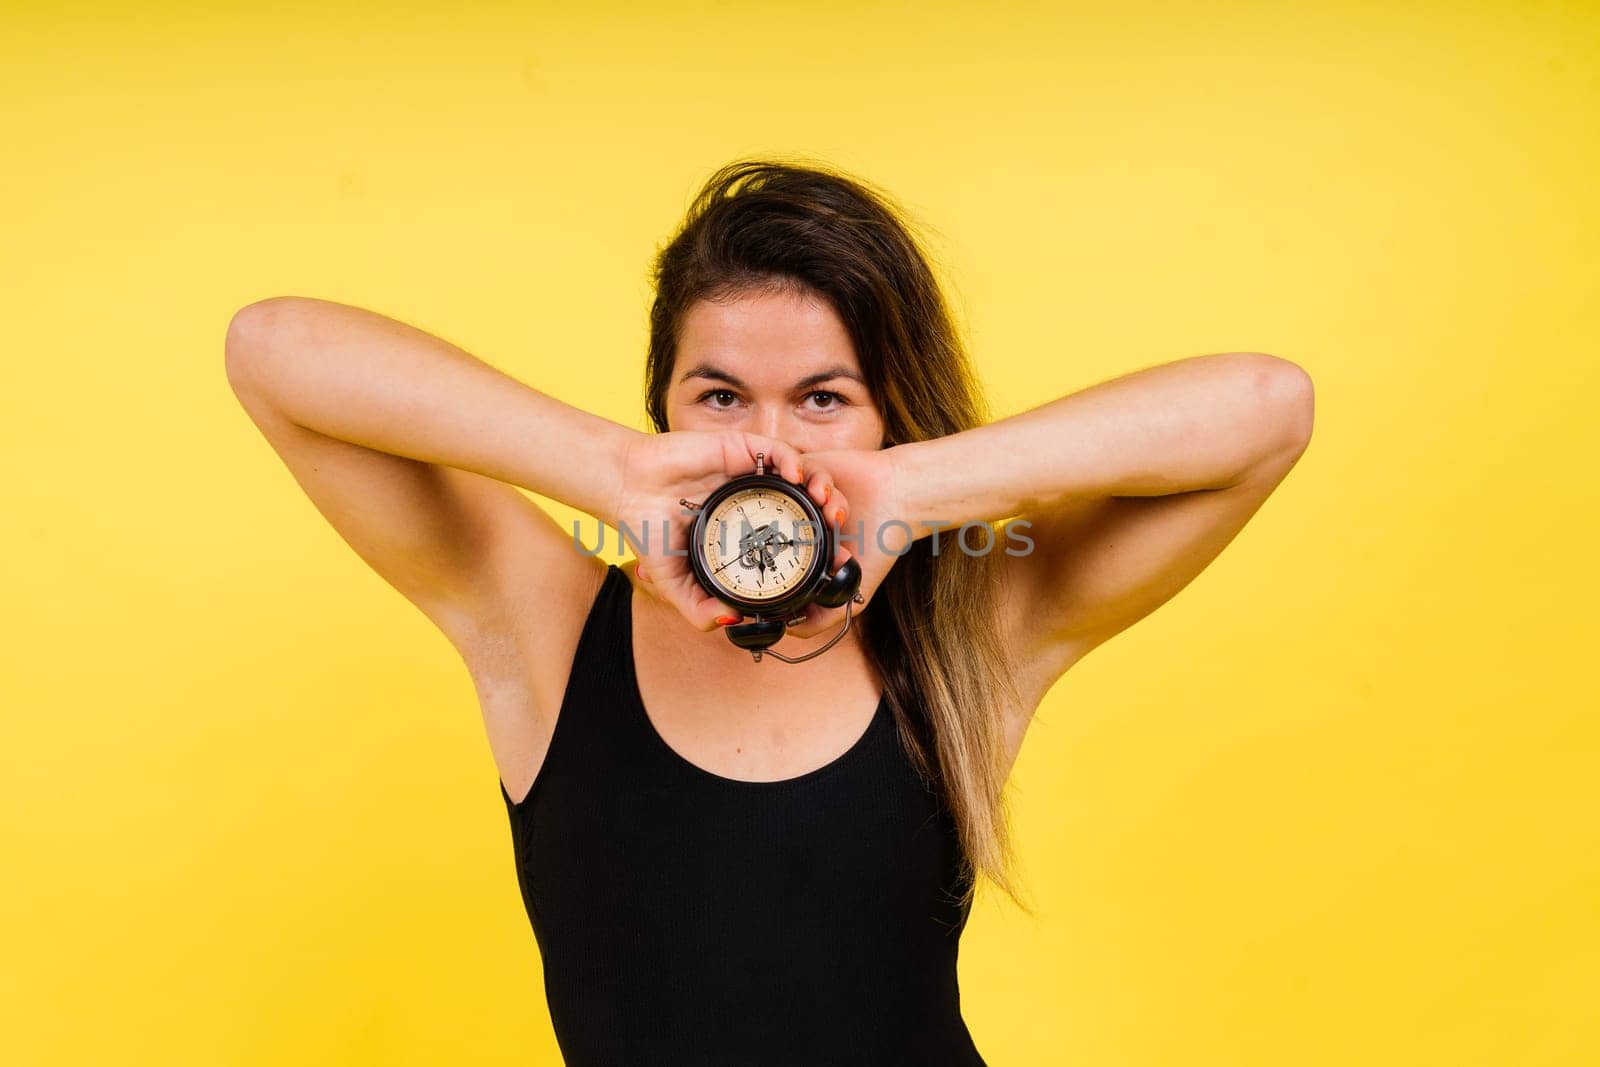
[738,863]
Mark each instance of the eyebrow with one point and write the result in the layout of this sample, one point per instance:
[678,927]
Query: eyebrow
[717,374]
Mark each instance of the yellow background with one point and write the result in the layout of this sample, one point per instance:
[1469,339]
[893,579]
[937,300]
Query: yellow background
[1334,804]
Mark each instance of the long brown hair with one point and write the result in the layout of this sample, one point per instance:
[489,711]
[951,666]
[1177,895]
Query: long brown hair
[931,628]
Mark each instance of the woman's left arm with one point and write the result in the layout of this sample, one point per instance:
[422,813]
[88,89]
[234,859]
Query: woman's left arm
[1131,487]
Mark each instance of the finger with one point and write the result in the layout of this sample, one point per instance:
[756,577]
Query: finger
[820,487]
[648,585]
[654,571]
[779,457]
[837,509]
[702,611]
[658,576]
[785,459]
[818,621]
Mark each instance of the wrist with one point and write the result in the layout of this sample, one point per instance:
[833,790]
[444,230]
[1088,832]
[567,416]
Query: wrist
[616,446]
[921,484]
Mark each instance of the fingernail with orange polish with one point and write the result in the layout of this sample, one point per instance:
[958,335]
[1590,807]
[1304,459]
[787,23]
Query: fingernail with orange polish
[727,620]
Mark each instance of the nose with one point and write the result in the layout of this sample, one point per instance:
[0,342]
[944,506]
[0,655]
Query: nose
[774,421]
[767,421]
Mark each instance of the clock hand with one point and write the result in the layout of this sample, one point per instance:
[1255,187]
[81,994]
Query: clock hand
[757,547]
[757,542]
[747,552]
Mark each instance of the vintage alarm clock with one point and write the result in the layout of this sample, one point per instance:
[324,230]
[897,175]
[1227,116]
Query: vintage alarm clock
[760,545]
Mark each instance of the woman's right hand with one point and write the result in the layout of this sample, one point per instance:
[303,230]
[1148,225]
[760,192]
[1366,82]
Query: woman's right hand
[660,469]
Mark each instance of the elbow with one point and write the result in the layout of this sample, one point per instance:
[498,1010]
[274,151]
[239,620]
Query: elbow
[1297,405]
[1287,402]
[249,334]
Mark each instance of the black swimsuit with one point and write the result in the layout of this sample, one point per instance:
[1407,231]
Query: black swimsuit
[687,918]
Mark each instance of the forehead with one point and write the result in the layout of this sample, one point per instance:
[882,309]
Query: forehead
[780,334]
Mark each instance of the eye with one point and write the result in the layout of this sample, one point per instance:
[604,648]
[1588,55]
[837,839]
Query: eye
[829,400]
[718,393]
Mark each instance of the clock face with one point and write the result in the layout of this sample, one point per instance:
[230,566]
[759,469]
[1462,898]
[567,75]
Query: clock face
[759,543]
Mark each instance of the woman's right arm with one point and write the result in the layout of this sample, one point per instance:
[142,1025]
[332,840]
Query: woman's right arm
[410,447]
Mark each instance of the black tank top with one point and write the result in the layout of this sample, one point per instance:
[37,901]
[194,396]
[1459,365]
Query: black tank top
[685,918]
